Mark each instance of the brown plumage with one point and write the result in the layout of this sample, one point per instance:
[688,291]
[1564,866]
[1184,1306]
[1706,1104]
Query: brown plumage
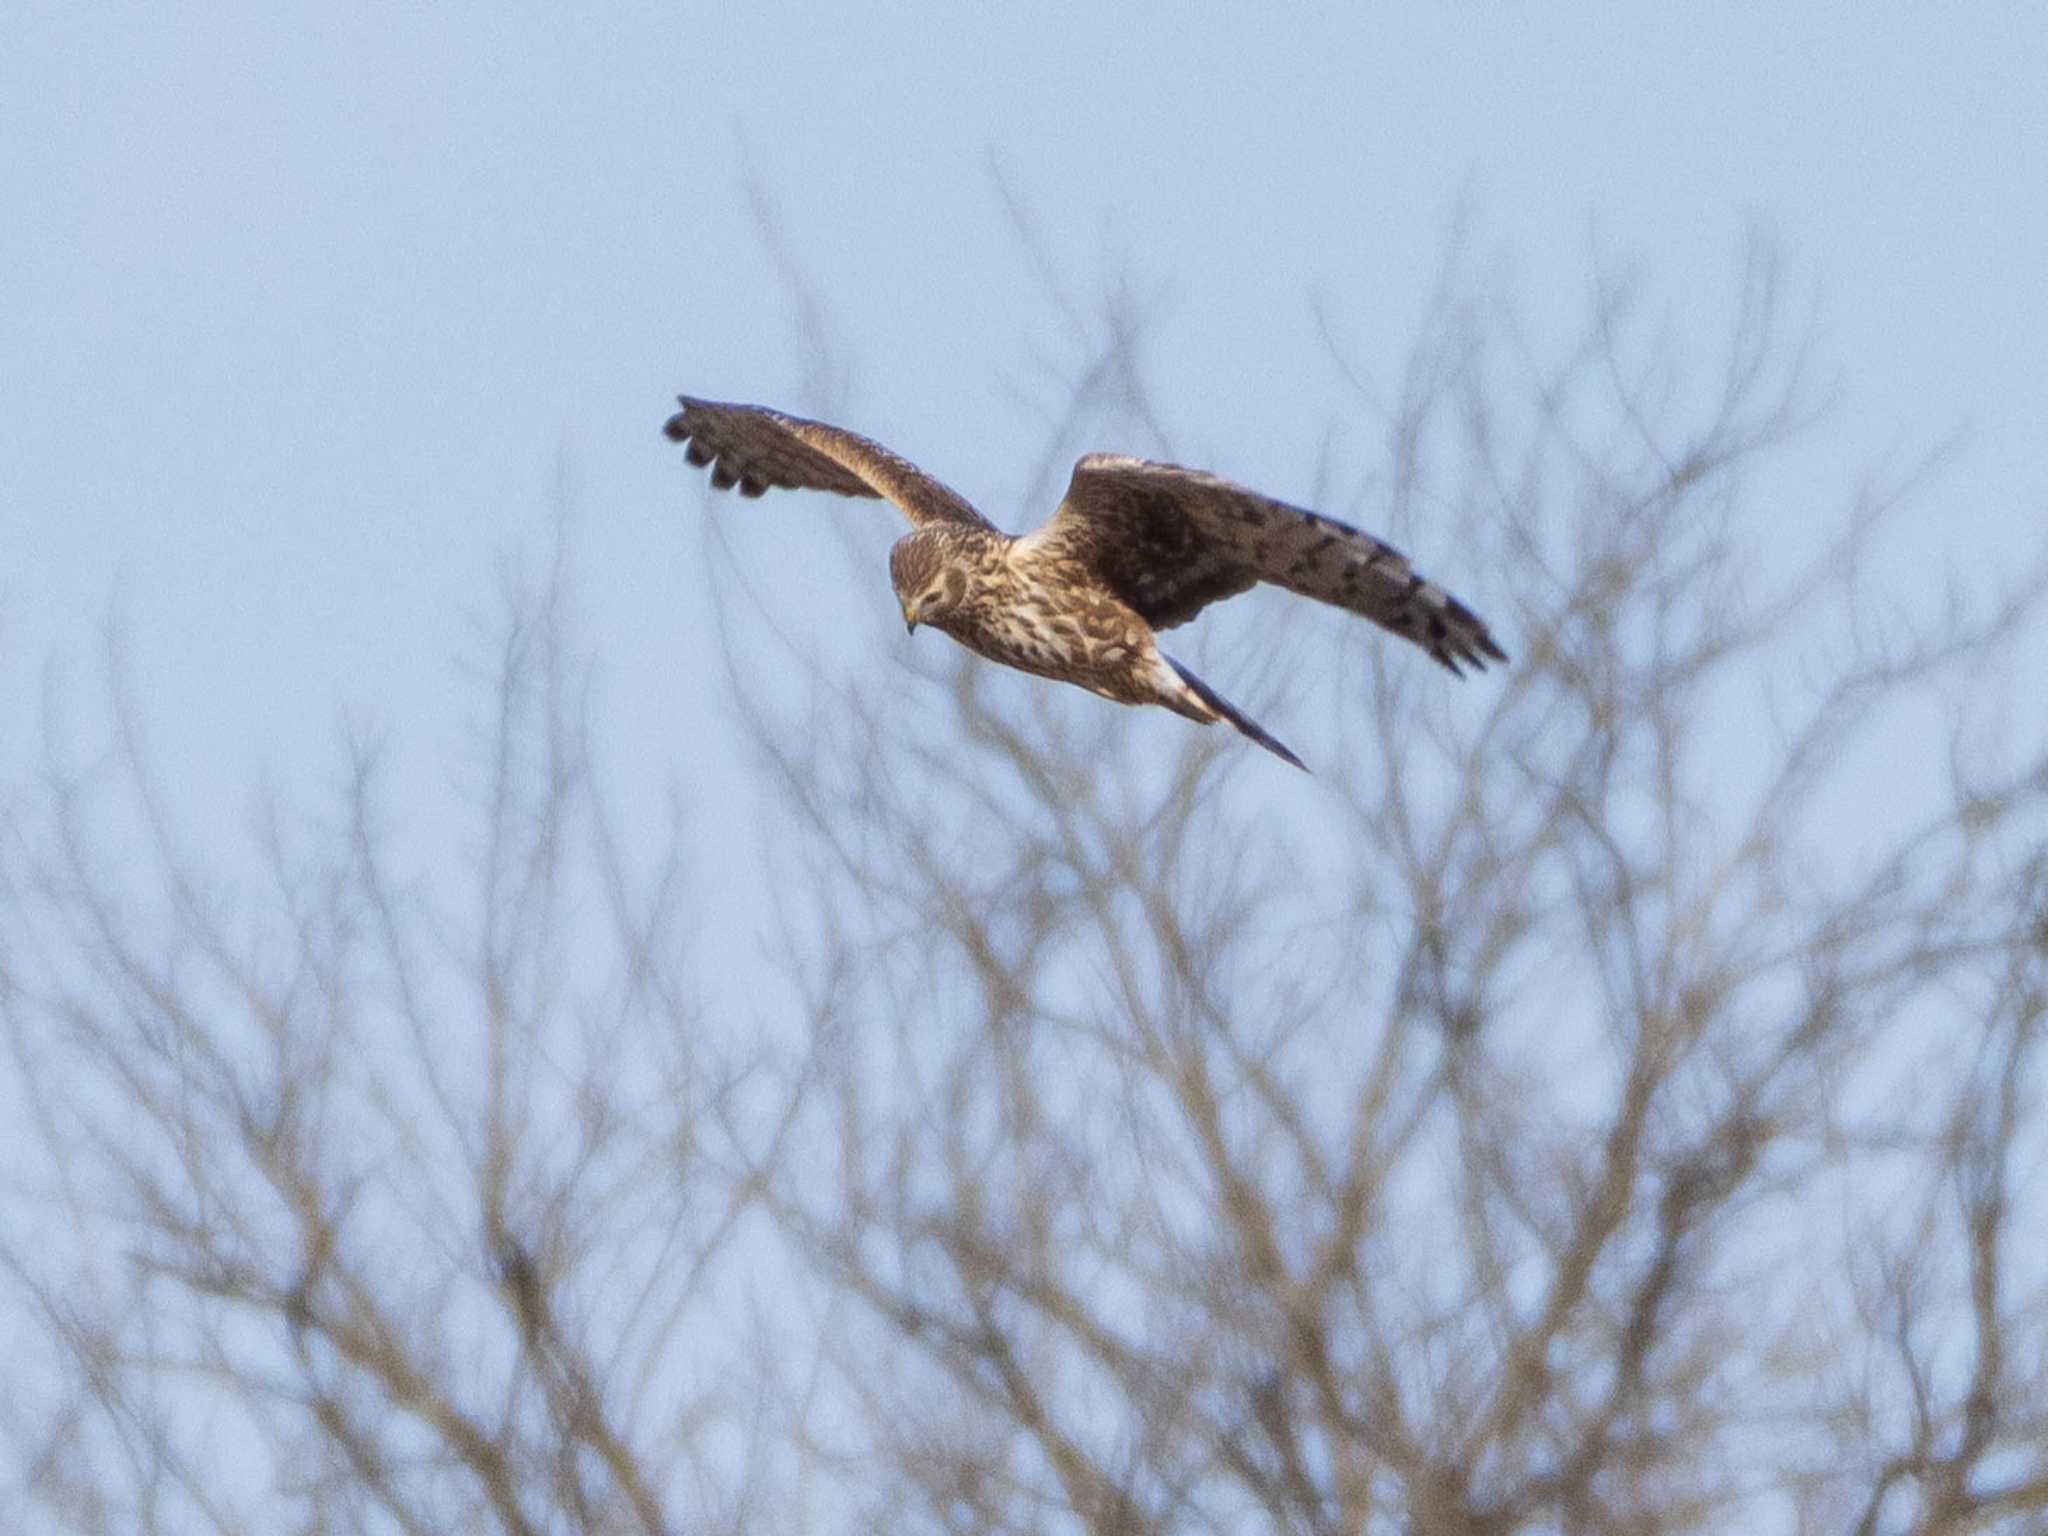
[1136,547]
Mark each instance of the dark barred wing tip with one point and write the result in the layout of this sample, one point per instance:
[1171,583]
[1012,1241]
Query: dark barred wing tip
[1475,641]
[1454,635]
[723,476]
[1457,651]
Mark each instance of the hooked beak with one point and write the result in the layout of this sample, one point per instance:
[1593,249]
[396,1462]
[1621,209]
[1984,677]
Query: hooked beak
[909,619]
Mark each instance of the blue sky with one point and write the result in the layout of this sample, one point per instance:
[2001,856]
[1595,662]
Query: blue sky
[312,315]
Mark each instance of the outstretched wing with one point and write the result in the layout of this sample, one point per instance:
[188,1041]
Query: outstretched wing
[754,448]
[1170,541]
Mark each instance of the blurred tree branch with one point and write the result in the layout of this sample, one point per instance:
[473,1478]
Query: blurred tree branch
[420,1202]
[1605,1099]
[1450,1151]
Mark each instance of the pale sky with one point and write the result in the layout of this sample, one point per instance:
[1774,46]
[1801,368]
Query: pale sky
[311,313]
[311,316]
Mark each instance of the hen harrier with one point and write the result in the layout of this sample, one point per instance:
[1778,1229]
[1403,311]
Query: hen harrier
[1135,548]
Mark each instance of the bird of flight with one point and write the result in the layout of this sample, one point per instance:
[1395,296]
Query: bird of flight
[1136,547]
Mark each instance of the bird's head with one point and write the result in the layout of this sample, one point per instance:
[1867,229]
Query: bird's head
[929,580]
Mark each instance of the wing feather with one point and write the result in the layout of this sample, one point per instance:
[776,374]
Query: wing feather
[1169,541]
[756,449]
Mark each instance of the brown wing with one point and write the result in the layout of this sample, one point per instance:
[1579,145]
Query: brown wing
[1169,541]
[754,448]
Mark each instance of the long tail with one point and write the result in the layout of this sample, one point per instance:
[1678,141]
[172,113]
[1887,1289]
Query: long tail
[1221,708]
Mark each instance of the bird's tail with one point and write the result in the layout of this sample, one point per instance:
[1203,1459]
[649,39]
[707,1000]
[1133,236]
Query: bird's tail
[1208,705]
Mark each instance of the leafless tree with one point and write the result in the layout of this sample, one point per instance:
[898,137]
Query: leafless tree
[361,1199]
[1604,1098]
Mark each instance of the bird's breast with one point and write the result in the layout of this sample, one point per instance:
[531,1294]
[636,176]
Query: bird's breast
[1056,626]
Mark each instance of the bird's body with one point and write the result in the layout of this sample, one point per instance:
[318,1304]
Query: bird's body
[1024,609]
[1136,547]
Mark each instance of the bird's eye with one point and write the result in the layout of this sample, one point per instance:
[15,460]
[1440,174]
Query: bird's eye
[933,600]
